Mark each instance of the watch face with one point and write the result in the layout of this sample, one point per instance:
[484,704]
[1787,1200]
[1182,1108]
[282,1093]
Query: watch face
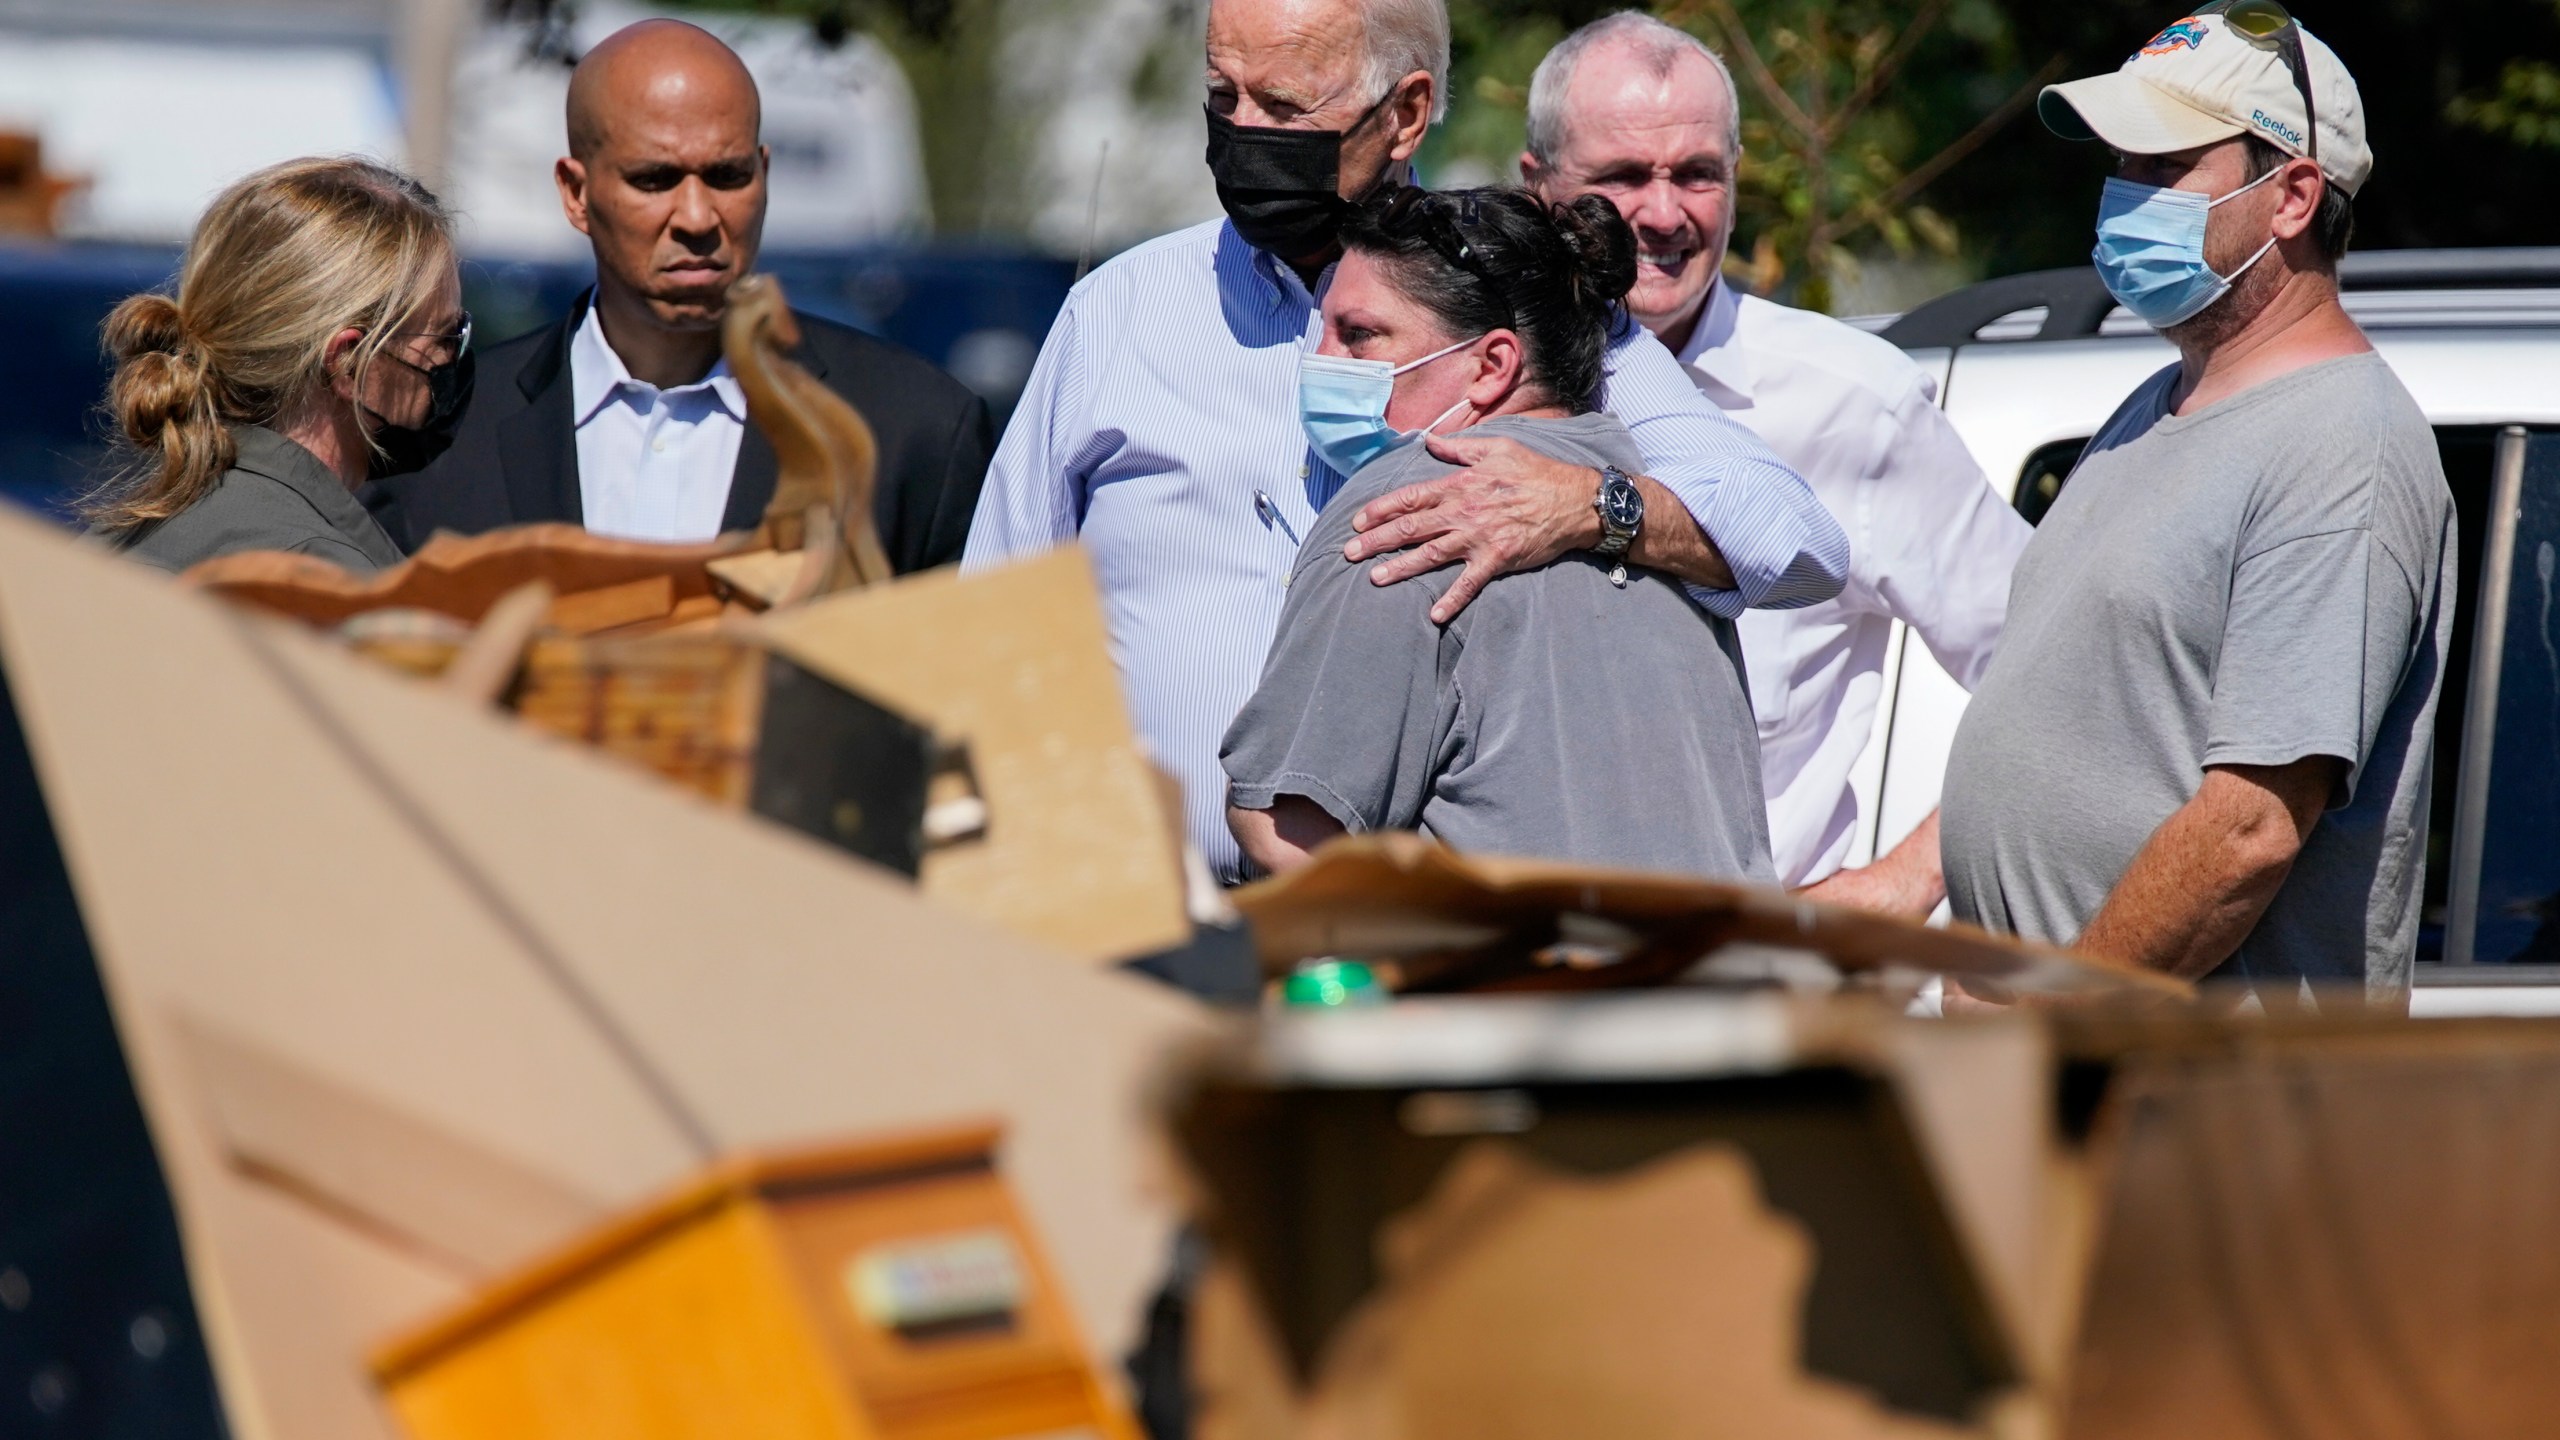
[1622,505]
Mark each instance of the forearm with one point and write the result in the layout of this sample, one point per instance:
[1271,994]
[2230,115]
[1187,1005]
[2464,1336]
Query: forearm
[1672,542]
[1908,881]
[1281,838]
[2200,883]
[1774,545]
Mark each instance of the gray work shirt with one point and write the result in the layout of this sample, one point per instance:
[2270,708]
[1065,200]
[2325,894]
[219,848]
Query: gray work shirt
[1559,716]
[275,496]
[2259,582]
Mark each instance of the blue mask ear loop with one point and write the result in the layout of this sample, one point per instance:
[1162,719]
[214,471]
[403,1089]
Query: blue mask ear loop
[1470,340]
[2271,240]
[1451,350]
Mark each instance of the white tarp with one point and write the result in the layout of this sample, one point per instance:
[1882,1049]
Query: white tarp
[847,163]
[159,124]
[160,116]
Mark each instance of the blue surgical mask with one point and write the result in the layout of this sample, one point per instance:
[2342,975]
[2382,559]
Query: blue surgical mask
[1342,402]
[2151,250]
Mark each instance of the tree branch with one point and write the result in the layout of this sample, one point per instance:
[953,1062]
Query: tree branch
[1738,40]
[1917,179]
[1891,65]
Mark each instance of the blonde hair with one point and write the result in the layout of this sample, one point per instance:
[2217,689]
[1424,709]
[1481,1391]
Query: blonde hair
[283,261]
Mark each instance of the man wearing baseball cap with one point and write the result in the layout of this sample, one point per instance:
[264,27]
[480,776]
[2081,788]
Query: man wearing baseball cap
[2203,745]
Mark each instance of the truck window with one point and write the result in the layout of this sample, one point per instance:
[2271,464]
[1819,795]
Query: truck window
[2040,483]
[2513,908]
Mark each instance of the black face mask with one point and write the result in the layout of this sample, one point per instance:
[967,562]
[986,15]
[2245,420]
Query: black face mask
[406,448]
[1282,187]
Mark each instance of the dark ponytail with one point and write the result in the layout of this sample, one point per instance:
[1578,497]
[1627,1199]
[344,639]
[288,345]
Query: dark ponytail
[1500,258]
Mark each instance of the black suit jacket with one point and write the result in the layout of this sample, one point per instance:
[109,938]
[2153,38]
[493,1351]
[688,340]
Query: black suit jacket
[514,457]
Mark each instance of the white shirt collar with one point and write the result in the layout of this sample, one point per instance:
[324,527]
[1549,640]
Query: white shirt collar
[1712,350]
[597,374]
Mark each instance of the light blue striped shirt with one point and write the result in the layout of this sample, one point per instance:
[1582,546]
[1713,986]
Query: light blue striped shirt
[1160,426]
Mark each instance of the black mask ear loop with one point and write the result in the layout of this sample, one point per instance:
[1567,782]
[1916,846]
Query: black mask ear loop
[1280,185]
[1362,123]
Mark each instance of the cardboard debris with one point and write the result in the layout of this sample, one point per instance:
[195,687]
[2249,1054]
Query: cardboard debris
[1451,921]
[1437,1218]
[1009,671]
[1697,1214]
[585,978]
[1082,849]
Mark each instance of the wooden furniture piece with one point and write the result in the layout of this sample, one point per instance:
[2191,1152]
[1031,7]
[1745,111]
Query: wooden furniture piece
[888,1290]
[30,196]
[830,462]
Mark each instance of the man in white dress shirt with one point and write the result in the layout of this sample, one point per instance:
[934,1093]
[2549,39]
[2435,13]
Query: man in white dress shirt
[1645,114]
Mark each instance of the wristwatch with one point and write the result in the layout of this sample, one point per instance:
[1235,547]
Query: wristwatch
[1621,507]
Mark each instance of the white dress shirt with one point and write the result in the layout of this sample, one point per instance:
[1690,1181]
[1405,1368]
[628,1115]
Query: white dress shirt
[1930,544]
[652,464]
[1160,427]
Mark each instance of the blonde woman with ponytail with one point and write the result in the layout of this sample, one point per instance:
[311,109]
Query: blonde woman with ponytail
[317,339]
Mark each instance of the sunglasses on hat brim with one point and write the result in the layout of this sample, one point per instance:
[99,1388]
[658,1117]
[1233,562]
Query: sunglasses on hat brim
[2270,26]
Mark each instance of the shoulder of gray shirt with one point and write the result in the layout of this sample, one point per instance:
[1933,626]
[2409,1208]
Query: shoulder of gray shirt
[1594,439]
[2305,425]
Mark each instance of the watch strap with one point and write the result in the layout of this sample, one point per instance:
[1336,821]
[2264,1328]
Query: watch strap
[1615,539]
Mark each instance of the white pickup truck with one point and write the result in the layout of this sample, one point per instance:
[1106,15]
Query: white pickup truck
[2029,366]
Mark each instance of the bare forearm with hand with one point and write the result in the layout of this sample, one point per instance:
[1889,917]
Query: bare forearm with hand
[1515,509]
[1908,881]
[2197,888]
[1282,837]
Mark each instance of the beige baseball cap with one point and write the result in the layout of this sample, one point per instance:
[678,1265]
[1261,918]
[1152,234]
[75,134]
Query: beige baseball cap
[2198,82]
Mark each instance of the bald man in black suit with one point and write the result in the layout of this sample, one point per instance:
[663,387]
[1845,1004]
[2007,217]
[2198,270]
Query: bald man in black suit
[621,416]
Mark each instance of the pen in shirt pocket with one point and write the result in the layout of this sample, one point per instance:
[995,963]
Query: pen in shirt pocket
[1269,510]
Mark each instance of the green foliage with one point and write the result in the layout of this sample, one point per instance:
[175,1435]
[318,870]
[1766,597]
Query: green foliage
[1851,108]
[2524,109]
[2462,97]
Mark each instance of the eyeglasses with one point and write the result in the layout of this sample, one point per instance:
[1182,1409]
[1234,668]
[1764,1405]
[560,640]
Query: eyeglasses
[2270,26]
[459,337]
[1441,222]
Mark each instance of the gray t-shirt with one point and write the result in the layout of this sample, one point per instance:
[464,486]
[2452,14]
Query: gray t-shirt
[2259,582]
[1560,716]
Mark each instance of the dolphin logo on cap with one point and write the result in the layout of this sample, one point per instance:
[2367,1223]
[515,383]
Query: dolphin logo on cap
[2187,34]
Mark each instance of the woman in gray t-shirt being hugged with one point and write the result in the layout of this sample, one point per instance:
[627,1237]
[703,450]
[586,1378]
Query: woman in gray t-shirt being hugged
[1583,711]
[317,337]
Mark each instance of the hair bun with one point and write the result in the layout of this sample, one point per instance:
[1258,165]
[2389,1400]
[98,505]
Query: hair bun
[160,378]
[1603,249]
[146,324]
